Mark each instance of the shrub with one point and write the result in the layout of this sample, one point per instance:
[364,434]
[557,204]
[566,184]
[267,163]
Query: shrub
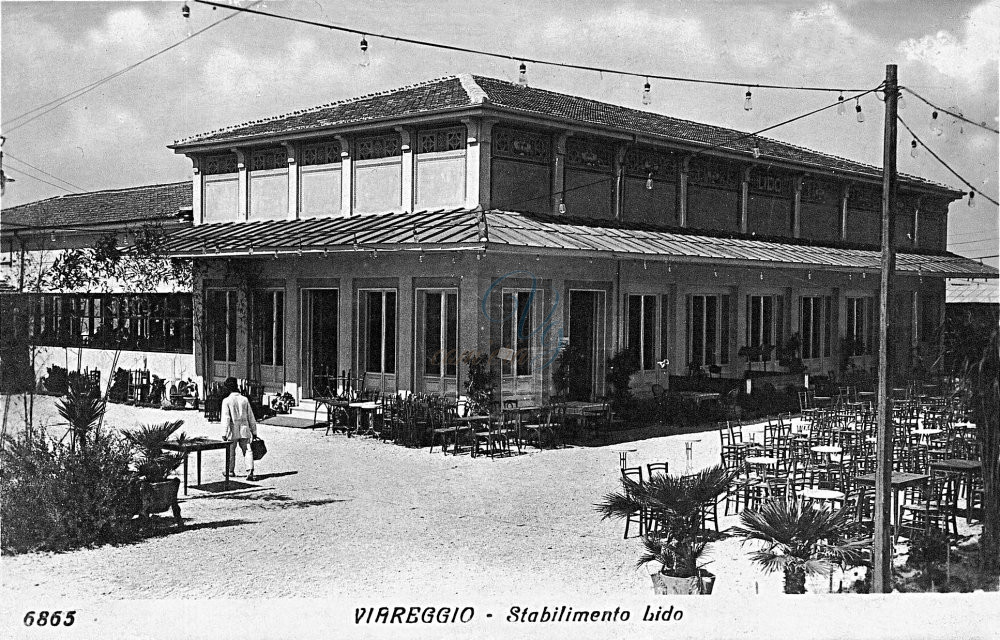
[119,386]
[55,498]
[57,381]
[621,366]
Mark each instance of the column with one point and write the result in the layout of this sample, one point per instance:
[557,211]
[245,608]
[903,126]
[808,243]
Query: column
[406,198]
[472,161]
[559,170]
[678,365]
[292,150]
[346,179]
[405,343]
[916,221]
[744,196]
[485,161]
[844,195]
[347,317]
[682,203]
[797,211]
[619,169]
[243,187]
[197,189]
[293,338]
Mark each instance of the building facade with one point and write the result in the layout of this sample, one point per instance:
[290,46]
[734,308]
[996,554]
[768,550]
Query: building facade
[395,233]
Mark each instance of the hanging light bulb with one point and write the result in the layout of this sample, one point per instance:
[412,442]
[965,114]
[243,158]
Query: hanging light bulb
[365,60]
[562,207]
[841,105]
[748,103]
[756,148]
[646,90]
[186,11]
[913,148]
[857,107]
[649,181]
[900,104]
[522,75]
[956,121]
[936,124]
[972,199]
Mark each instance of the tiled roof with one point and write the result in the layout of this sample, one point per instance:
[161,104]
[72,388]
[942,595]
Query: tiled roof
[467,91]
[970,292]
[465,229]
[134,204]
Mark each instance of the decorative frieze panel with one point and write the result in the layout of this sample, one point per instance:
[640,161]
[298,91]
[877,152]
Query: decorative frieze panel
[639,163]
[374,147]
[770,184]
[865,198]
[265,159]
[589,154]
[441,140]
[217,164]
[714,174]
[521,145]
[820,191]
[322,153]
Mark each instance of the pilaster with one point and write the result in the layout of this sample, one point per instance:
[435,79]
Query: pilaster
[797,211]
[473,146]
[243,184]
[197,189]
[559,170]
[406,182]
[346,181]
[292,150]
[845,194]
[744,196]
[682,200]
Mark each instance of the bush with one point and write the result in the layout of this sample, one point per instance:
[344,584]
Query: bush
[119,386]
[57,381]
[55,498]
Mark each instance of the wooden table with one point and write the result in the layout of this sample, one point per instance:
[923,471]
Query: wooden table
[623,451]
[959,465]
[199,445]
[359,408]
[699,396]
[898,481]
[331,405]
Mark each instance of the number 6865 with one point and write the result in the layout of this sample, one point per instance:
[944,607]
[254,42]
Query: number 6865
[49,618]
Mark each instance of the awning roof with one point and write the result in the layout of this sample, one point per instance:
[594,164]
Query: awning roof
[458,229]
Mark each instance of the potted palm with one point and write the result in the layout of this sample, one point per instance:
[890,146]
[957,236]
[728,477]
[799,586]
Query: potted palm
[673,507]
[157,491]
[801,540]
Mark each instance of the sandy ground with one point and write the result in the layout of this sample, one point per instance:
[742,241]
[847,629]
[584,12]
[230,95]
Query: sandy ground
[333,517]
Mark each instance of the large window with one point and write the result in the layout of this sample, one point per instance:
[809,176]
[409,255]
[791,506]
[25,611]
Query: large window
[141,322]
[221,317]
[377,322]
[640,339]
[517,328]
[860,323]
[270,319]
[765,321]
[440,333]
[708,330]
[815,315]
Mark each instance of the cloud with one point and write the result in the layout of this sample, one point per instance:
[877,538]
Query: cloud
[966,58]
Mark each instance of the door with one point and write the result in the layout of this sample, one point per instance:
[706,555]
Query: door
[436,338]
[587,332]
[320,326]
[221,322]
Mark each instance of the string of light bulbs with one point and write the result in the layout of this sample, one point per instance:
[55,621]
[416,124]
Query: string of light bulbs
[918,142]
[936,108]
[524,60]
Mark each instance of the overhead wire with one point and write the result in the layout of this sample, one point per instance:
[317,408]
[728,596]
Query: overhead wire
[11,156]
[916,95]
[33,177]
[73,95]
[941,160]
[516,58]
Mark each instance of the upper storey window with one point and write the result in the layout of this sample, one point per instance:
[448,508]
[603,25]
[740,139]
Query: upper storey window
[521,170]
[589,185]
[320,179]
[378,171]
[269,184]
[440,167]
[221,187]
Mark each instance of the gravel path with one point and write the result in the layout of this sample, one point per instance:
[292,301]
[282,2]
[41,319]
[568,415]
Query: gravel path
[332,516]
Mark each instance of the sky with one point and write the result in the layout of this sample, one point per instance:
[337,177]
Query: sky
[251,67]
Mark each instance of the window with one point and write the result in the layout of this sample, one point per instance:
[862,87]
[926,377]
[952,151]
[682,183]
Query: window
[144,322]
[765,320]
[270,319]
[517,329]
[221,316]
[815,314]
[930,320]
[440,333]
[708,329]
[859,325]
[377,323]
[641,336]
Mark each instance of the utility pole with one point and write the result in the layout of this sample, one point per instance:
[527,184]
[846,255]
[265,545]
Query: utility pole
[882,554]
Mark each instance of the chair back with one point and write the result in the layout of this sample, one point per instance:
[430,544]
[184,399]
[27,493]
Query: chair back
[657,468]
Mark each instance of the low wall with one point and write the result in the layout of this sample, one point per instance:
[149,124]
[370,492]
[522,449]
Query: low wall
[169,366]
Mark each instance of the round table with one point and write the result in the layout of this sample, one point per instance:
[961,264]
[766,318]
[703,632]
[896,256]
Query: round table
[762,460]
[623,454]
[925,434]
[821,495]
[689,454]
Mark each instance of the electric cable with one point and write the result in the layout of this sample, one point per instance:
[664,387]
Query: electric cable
[11,156]
[946,165]
[982,125]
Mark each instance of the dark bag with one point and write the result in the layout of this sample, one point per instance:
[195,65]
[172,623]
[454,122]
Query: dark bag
[258,448]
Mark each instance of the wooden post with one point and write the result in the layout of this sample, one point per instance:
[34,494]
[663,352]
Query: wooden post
[882,556]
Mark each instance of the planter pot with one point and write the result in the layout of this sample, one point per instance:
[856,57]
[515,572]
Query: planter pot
[158,497]
[668,585]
